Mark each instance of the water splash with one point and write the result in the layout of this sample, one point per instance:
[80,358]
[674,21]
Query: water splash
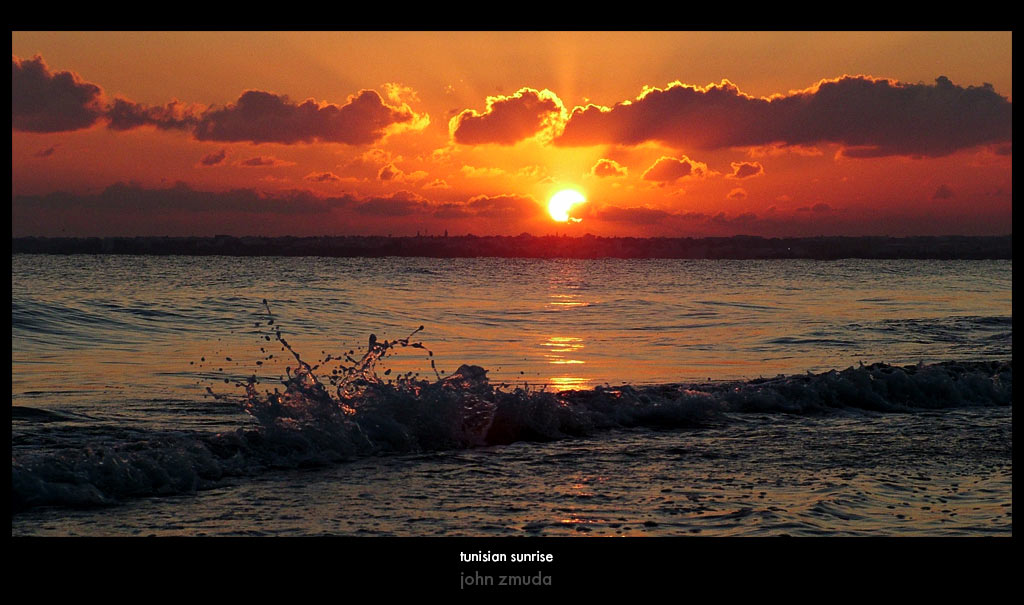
[354,401]
[343,388]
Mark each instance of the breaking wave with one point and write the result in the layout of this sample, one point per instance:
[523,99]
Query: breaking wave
[343,408]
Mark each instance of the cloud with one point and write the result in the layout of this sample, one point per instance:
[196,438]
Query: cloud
[399,93]
[213,159]
[531,172]
[135,198]
[606,168]
[742,219]
[668,169]
[871,117]
[405,203]
[59,102]
[637,215]
[486,172]
[437,184]
[389,172]
[507,207]
[778,149]
[322,177]
[127,115]
[503,206]
[452,210]
[943,193]
[820,207]
[743,170]
[680,222]
[508,120]
[371,157]
[42,101]
[367,165]
[45,153]
[261,161]
[263,117]
[772,222]
[400,96]
[738,193]
[401,203]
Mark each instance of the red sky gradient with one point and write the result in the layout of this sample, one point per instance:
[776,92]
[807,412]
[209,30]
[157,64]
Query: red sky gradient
[665,133]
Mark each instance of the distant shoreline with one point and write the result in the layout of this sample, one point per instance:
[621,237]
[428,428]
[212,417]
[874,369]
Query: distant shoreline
[529,246]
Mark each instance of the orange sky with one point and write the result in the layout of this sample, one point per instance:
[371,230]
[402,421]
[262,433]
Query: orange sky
[665,133]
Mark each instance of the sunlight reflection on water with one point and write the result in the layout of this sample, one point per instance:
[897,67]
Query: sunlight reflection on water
[141,324]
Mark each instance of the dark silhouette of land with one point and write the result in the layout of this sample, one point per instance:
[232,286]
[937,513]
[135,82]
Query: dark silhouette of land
[529,246]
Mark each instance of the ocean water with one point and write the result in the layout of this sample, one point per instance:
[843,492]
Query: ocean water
[246,396]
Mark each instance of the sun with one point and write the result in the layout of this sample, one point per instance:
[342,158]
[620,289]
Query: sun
[561,202]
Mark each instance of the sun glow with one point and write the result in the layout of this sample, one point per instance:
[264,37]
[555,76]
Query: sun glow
[561,202]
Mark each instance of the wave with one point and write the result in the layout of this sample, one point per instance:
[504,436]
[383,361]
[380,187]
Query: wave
[22,412]
[324,417]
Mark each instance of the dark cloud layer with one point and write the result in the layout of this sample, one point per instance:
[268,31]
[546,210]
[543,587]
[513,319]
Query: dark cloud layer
[263,117]
[401,203]
[637,215]
[42,101]
[871,117]
[134,198]
[406,203]
[654,216]
[60,101]
[126,115]
[503,206]
[507,120]
[720,221]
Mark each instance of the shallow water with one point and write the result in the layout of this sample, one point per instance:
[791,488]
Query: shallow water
[943,474]
[112,357]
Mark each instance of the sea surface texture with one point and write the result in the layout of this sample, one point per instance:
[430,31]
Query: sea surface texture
[494,397]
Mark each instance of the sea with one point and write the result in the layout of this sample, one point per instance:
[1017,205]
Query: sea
[494,397]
